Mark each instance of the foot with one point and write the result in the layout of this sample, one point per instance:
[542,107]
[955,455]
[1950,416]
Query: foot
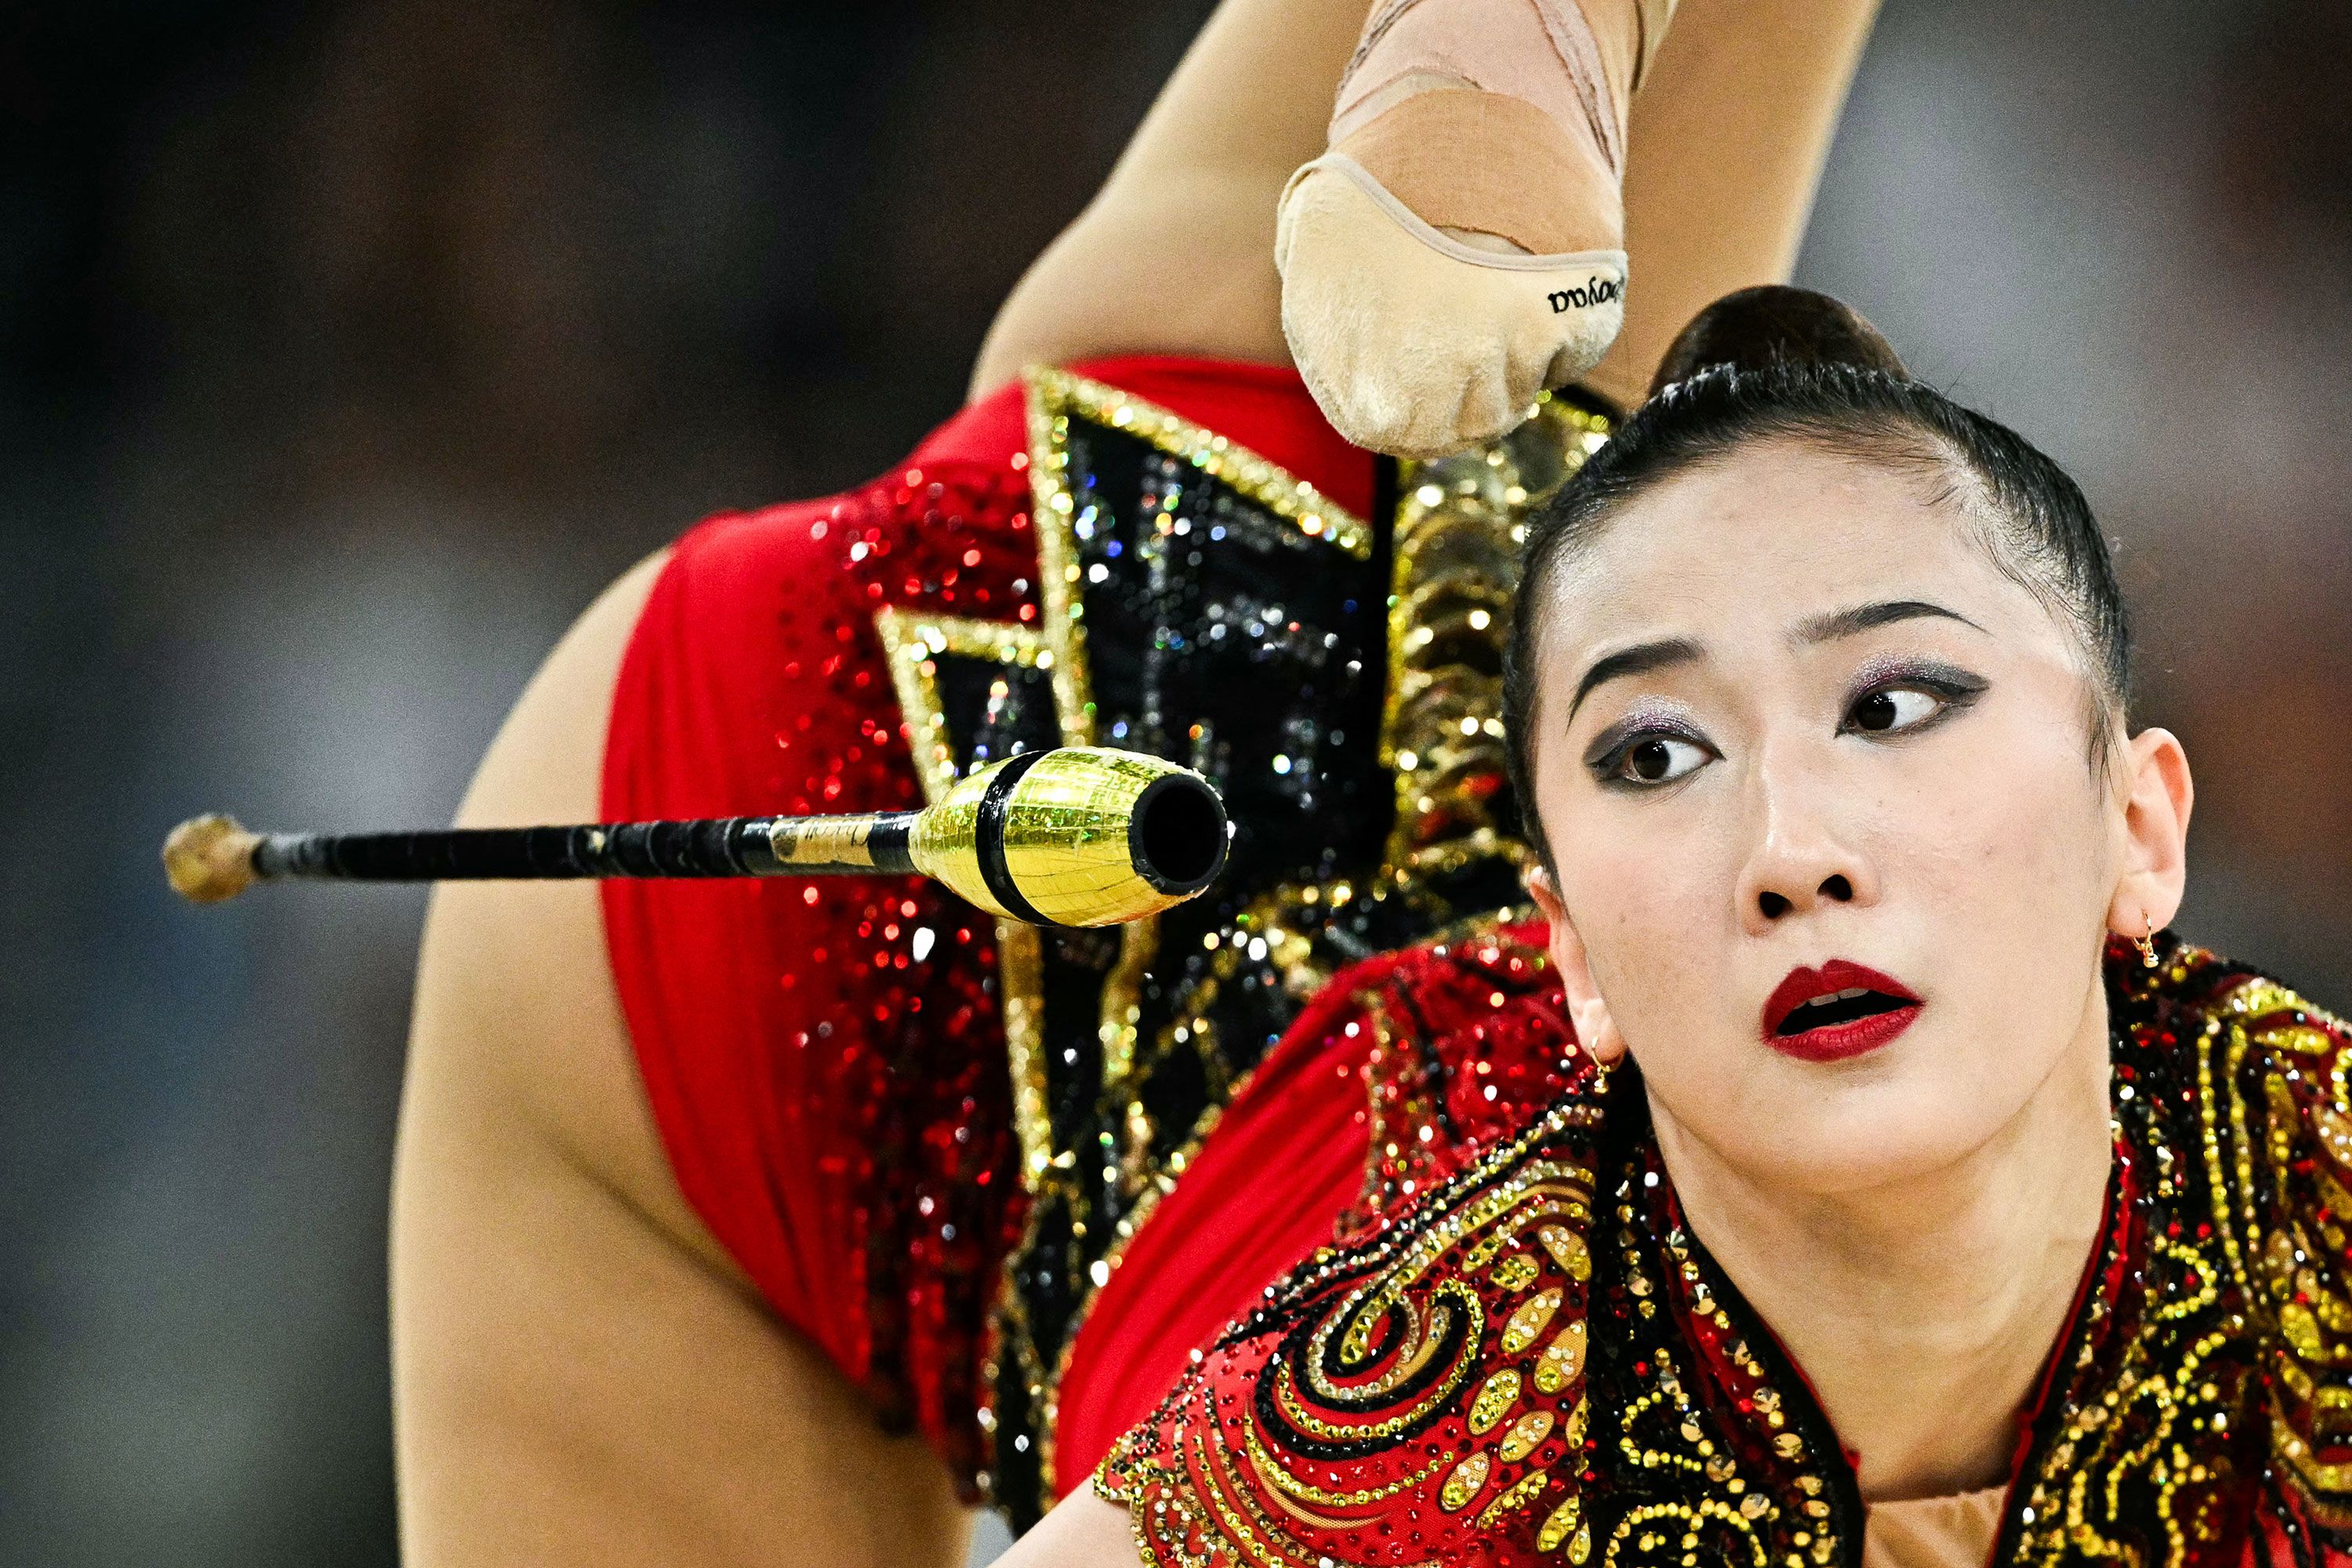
[1460,247]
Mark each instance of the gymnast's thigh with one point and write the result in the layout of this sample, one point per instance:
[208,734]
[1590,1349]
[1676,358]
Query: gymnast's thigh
[582,1376]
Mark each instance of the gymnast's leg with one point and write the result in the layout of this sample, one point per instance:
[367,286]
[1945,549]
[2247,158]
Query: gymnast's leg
[1176,254]
[581,1374]
[1728,137]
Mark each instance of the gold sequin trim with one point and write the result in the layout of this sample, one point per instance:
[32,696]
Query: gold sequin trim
[1562,1361]
[1057,394]
[1496,1398]
[1518,1495]
[1526,1436]
[912,646]
[1459,524]
[1467,1480]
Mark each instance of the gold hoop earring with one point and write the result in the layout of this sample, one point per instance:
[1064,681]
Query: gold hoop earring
[2147,944]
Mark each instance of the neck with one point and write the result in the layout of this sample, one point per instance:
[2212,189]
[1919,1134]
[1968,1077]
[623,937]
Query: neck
[1923,1311]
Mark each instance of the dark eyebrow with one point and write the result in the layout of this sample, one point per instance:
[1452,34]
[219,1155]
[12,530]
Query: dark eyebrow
[1864,617]
[1638,660]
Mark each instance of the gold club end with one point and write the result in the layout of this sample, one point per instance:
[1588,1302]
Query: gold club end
[209,859]
[1079,836]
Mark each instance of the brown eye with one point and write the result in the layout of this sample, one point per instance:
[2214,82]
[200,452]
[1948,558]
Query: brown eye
[1660,759]
[1894,708]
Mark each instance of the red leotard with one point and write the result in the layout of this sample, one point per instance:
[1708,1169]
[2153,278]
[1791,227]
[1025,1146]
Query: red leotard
[826,1059]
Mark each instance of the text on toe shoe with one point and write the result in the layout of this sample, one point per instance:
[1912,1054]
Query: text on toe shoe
[1594,291]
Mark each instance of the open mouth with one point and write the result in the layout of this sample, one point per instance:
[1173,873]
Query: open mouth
[1837,1011]
[1844,1007]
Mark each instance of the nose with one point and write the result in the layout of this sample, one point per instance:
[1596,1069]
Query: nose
[1800,858]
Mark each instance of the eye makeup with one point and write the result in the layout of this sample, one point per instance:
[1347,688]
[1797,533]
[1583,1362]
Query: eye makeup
[1894,669]
[1953,687]
[1605,756]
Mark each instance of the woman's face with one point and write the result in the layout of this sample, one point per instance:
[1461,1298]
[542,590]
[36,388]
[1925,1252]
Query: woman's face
[1797,736]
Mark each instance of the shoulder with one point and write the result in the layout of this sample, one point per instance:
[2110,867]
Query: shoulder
[2273,1070]
[1431,1370]
[2273,1074]
[1468,1039]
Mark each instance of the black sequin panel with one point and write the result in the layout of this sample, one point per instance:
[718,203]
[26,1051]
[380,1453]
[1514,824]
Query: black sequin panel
[1200,604]
[1199,619]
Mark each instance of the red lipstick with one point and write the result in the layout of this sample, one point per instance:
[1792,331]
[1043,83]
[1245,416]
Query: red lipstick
[1837,1011]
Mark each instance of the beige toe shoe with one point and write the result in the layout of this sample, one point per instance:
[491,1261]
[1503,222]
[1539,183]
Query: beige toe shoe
[1415,343]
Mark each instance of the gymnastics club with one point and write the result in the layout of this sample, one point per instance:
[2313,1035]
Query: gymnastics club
[1078,836]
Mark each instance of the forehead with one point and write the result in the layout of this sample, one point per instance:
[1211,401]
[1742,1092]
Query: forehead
[1771,533]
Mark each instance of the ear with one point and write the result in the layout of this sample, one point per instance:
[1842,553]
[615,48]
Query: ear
[1596,1031]
[2157,796]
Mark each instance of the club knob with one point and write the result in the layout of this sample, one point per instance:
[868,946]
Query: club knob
[1079,836]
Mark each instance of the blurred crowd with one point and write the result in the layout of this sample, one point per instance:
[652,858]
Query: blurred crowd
[346,350]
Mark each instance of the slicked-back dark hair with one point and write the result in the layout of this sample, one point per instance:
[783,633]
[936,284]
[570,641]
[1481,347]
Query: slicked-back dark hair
[1787,364]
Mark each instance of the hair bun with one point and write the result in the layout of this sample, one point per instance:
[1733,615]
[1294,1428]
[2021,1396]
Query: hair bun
[1775,324]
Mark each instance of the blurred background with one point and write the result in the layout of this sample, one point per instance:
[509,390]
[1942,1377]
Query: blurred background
[346,350]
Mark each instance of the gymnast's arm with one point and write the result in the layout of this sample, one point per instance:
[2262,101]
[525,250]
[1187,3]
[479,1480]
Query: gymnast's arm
[581,1374]
[1088,1531]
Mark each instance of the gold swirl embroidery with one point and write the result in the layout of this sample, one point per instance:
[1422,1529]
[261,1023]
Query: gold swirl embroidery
[1275,1533]
[1526,1434]
[1286,1391]
[1637,1454]
[1543,1186]
[1518,1495]
[1562,1361]
[1494,1399]
[1257,1537]
[1267,1465]
[2194,1265]
[2075,1504]
[2212,1116]
[1528,1323]
[2089,1515]
[2303,1277]
[1716,1488]
[1650,1543]
[1519,1189]
[1466,1481]
[1546,1189]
